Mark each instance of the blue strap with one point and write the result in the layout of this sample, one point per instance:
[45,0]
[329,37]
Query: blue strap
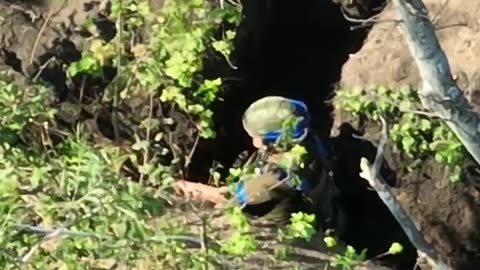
[241,193]
[304,186]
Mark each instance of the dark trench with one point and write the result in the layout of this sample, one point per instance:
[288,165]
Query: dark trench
[296,50]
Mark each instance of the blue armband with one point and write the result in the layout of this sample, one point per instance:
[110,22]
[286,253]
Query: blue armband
[241,193]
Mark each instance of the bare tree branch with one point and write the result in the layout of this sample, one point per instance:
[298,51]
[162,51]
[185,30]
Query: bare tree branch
[371,173]
[439,92]
[55,232]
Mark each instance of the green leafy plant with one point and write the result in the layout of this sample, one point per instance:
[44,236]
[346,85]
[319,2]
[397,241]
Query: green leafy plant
[300,227]
[168,65]
[22,106]
[395,248]
[71,207]
[348,260]
[241,242]
[413,132]
[351,258]
[77,196]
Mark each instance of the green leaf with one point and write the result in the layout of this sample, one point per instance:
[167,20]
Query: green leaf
[330,241]
[235,172]
[425,125]
[350,252]
[195,109]
[405,91]
[197,3]
[140,145]
[382,90]
[212,84]
[230,34]
[408,142]
[143,8]
[298,151]
[87,63]
[356,106]
[222,47]
[406,126]
[439,158]
[405,105]
[456,174]
[395,248]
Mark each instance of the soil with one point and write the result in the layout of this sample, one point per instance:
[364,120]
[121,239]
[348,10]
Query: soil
[307,255]
[448,216]
[385,60]
[298,50]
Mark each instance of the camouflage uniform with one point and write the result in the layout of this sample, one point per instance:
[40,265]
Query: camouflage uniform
[269,190]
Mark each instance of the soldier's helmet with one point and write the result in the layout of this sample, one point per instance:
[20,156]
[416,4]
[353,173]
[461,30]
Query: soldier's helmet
[267,117]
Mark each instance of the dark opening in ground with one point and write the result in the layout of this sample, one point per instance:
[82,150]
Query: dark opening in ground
[297,50]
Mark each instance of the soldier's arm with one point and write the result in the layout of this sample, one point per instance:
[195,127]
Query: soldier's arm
[264,187]
[200,191]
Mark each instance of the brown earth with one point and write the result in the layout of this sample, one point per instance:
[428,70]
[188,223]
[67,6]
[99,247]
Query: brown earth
[448,216]
[307,255]
[37,40]
[385,60]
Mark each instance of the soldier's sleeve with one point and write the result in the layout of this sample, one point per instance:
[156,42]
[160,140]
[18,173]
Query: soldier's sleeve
[264,187]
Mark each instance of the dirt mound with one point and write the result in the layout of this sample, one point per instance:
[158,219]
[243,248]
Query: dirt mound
[449,216]
[29,32]
[38,40]
[385,60]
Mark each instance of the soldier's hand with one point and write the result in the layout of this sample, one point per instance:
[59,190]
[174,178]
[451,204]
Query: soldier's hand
[216,195]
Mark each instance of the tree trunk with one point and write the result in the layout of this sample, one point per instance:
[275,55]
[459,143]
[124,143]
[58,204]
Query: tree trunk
[439,92]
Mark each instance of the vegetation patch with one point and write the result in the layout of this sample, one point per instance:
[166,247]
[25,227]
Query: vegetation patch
[169,63]
[414,133]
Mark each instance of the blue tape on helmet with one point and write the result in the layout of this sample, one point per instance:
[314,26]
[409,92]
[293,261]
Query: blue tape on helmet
[241,193]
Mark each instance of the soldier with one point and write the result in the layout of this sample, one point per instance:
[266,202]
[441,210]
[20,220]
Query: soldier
[278,180]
